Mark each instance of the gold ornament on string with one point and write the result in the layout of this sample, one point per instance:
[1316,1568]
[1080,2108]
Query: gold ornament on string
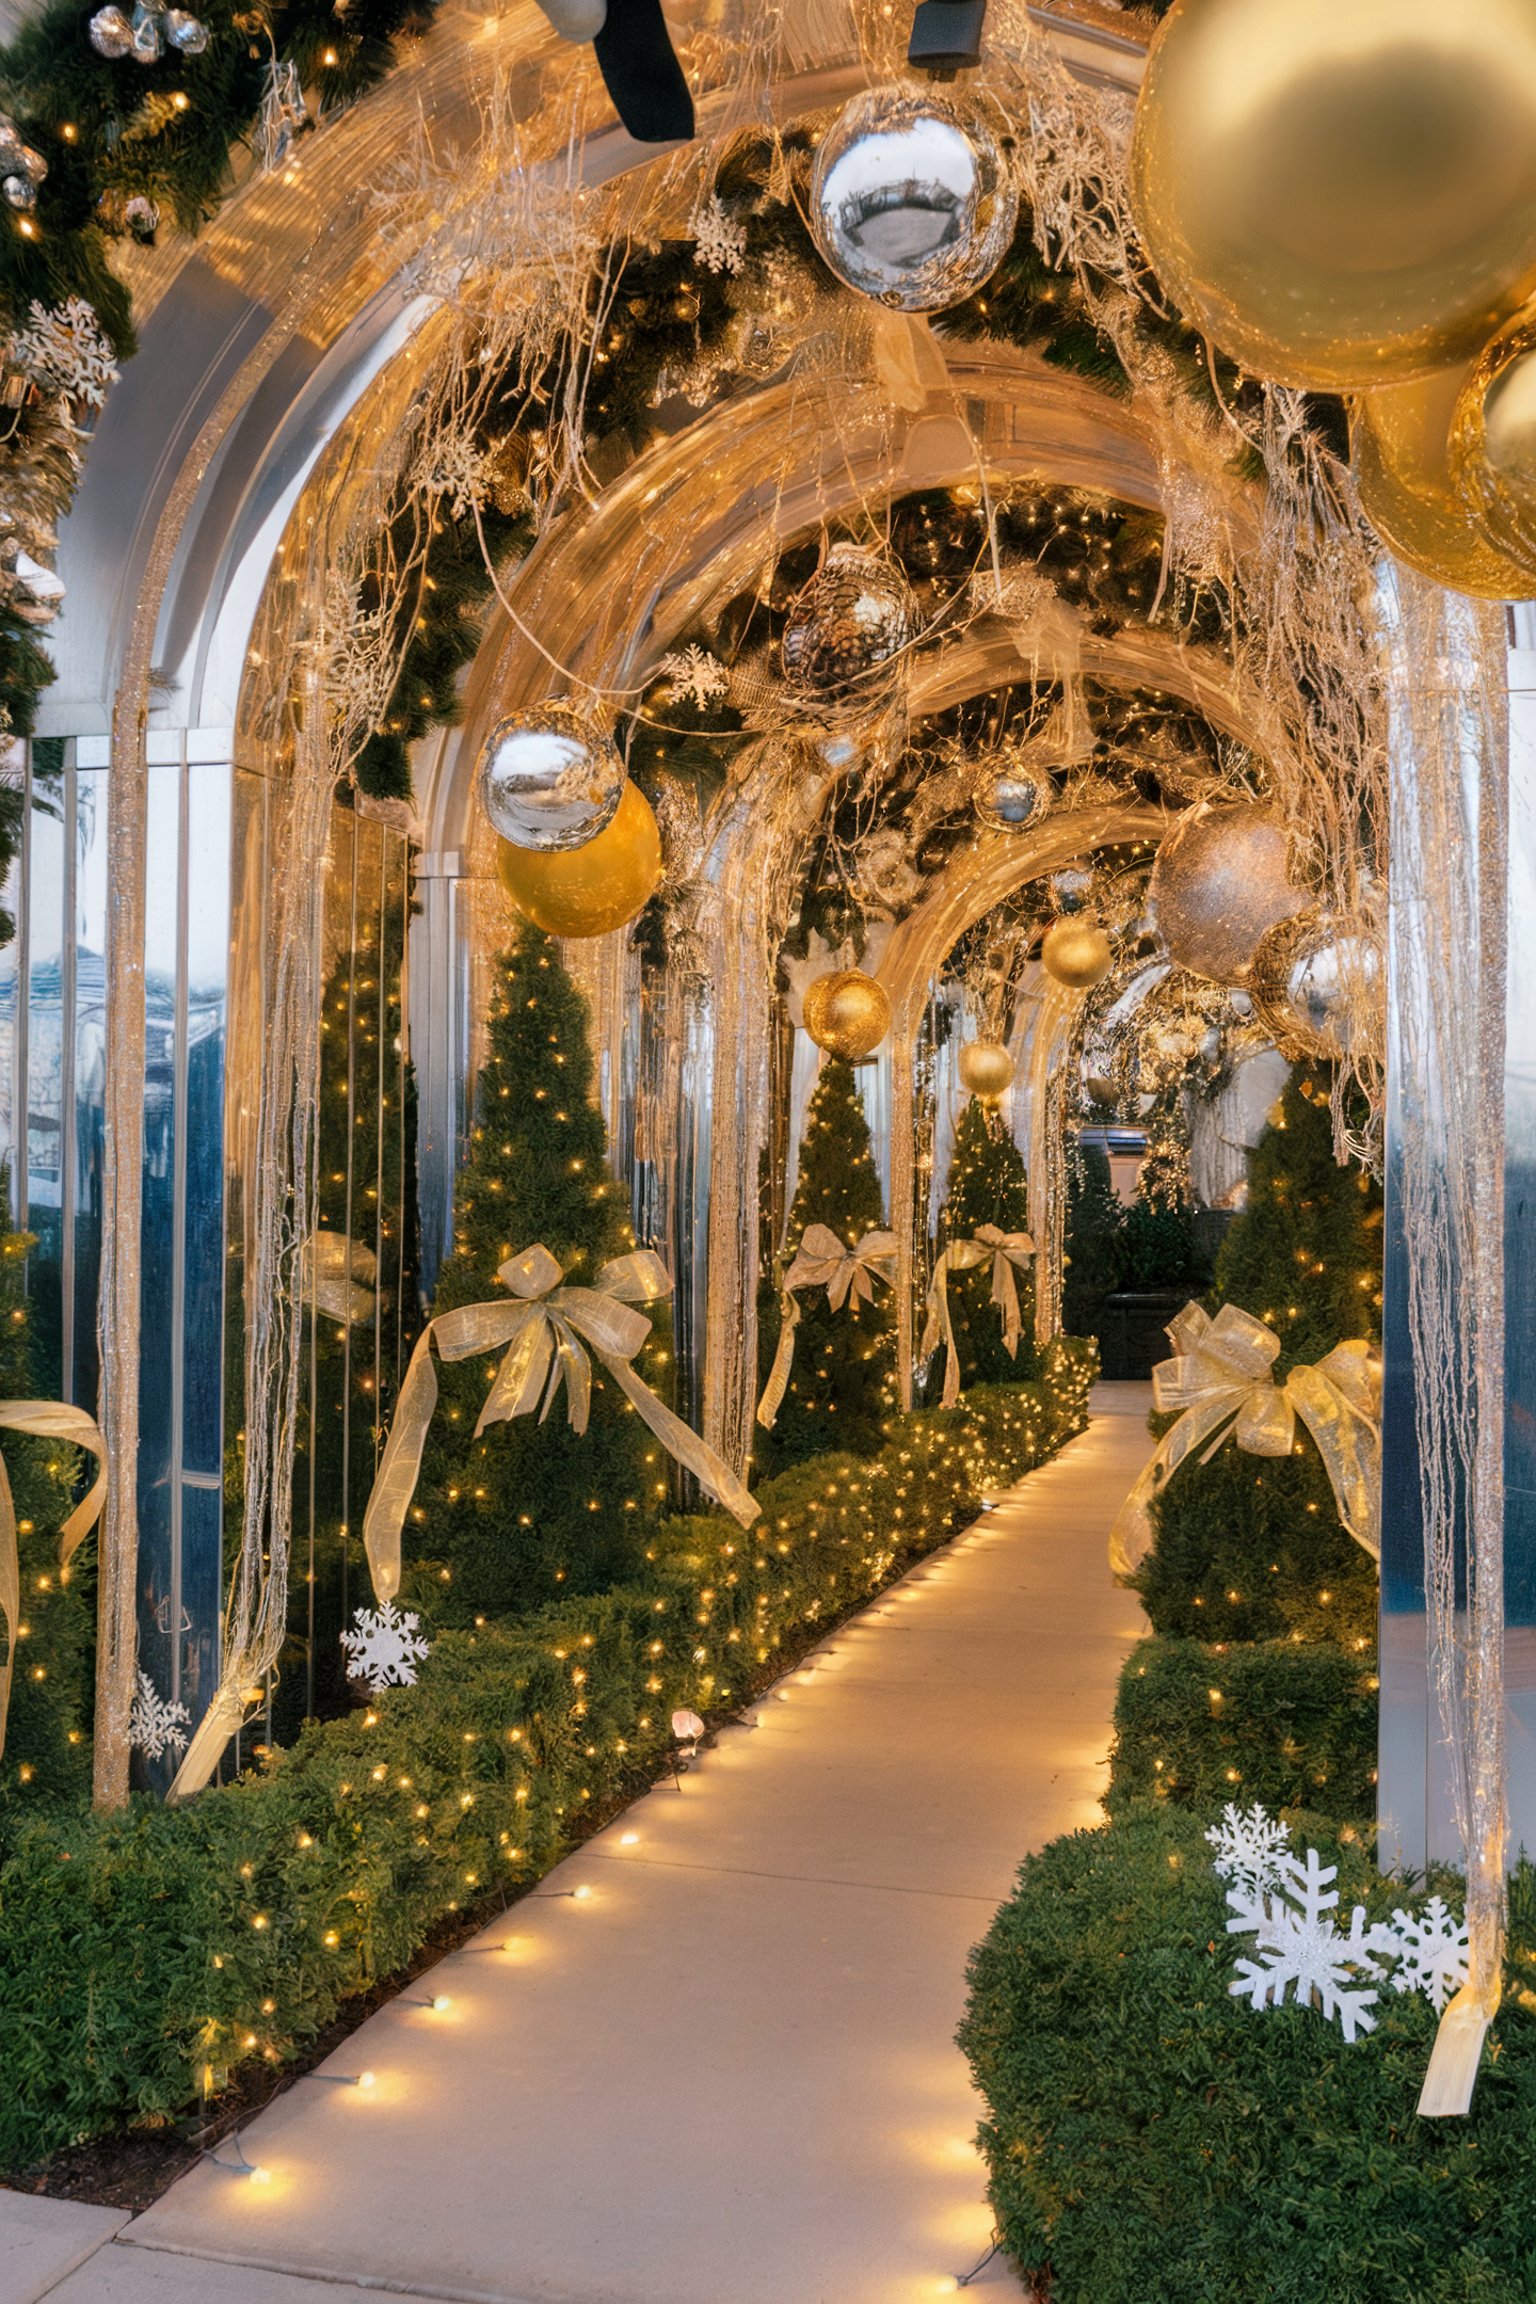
[847,1274]
[1221,1386]
[1077,952]
[1221,879]
[986,1069]
[591,890]
[847,1013]
[1340,196]
[1400,448]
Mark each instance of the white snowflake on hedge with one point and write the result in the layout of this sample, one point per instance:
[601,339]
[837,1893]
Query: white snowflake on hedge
[1300,1949]
[384,1647]
[719,242]
[154,1726]
[1248,1844]
[64,350]
[1430,1948]
[696,676]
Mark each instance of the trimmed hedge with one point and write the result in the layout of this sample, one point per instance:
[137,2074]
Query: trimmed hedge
[1152,2140]
[1283,1723]
[141,1951]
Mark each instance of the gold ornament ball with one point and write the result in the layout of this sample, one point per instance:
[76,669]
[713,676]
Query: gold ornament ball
[986,1069]
[590,890]
[847,1013]
[1077,953]
[1400,446]
[1492,450]
[1220,879]
[1341,196]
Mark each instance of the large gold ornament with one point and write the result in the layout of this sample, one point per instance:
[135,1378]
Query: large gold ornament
[913,200]
[986,1069]
[1492,452]
[1076,952]
[588,891]
[1220,880]
[1341,195]
[848,624]
[1318,988]
[1400,448]
[847,1013]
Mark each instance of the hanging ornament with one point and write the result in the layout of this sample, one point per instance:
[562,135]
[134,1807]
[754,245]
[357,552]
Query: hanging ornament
[851,620]
[1400,446]
[847,1013]
[550,778]
[1492,444]
[590,890]
[111,34]
[283,115]
[1317,987]
[1071,888]
[986,1069]
[1220,879]
[913,199]
[21,169]
[1011,802]
[148,32]
[1340,196]
[1077,953]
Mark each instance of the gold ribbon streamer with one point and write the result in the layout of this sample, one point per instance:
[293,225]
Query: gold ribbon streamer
[53,1420]
[545,1329]
[822,1261]
[1009,1253]
[339,1277]
[1221,1384]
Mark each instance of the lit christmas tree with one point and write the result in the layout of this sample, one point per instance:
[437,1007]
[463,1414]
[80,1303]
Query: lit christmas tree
[1095,1228]
[531,1510]
[841,1384]
[987,1185]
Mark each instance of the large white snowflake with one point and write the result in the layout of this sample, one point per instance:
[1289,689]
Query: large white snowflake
[719,242]
[1300,1949]
[154,1726]
[461,471]
[1430,1948]
[384,1647]
[695,675]
[1248,1845]
[64,350]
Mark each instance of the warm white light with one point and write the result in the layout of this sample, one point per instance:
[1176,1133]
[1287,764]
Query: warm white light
[367,2080]
[581,1894]
[628,1839]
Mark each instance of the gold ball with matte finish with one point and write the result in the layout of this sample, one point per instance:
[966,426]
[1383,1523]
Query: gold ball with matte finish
[588,891]
[1341,196]
[1220,880]
[847,1013]
[1400,446]
[1077,953]
[986,1069]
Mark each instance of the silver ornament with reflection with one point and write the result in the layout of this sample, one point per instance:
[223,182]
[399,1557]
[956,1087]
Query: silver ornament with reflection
[550,778]
[1011,802]
[913,200]
[1317,986]
[850,622]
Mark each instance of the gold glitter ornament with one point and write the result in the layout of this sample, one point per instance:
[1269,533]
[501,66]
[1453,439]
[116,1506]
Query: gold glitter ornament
[986,1069]
[1400,447]
[1077,953]
[847,1013]
[1492,447]
[1220,880]
[591,890]
[1341,196]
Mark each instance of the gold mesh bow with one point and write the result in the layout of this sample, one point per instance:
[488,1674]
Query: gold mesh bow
[339,1277]
[822,1261]
[546,1330]
[52,1420]
[1009,1253]
[1221,1378]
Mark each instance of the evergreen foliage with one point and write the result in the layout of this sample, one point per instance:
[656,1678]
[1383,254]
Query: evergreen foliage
[532,1510]
[987,1185]
[1095,1225]
[841,1387]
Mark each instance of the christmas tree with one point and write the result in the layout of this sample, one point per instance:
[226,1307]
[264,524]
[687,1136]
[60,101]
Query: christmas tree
[840,1386]
[1095,1225]
[532,1511]
[1251,1547]
[987,1185]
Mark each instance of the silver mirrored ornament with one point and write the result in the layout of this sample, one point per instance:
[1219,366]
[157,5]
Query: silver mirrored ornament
[1317,987]
[186,33]
[21,169]
[1010,801]
[111,34]
[853,618]
[550,778]
[913,199]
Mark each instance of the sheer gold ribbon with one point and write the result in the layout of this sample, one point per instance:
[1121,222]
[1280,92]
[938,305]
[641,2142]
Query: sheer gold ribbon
[1222,1380]
[545,1329]
[1009,1253]
[51,1420]
[822,1261]
[340,1278]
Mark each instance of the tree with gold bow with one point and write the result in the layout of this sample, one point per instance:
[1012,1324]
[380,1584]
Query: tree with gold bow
[988,1188]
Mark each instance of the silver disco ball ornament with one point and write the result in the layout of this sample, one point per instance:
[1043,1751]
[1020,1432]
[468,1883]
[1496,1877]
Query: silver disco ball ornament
[913,200]
[851,621]
[1011,801]
[550,778]
[1220,882]
[1318,988]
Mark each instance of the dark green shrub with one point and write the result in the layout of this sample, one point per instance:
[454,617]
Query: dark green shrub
[1095,1226]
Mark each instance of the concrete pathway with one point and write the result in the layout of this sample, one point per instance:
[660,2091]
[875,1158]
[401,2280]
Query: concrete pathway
[712,2061]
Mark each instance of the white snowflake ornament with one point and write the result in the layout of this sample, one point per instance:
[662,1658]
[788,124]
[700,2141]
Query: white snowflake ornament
[1430,1948]
[719,242]
[384,1647]
[63,349]
[154,1726]
[1248,1845]
[1301,1950]
[696,676]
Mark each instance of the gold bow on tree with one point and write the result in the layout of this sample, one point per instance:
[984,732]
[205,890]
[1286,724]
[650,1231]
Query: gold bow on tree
[1009,1253]
[822,1261]
[339,1278]
[50,1420]
[1222,1380]
[546,1329]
